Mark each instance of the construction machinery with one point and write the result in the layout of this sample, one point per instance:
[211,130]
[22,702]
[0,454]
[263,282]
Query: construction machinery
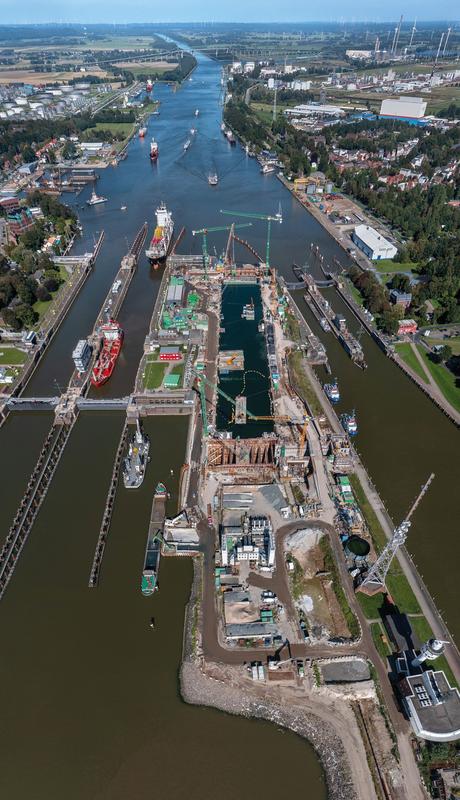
[204,233]
[269,218]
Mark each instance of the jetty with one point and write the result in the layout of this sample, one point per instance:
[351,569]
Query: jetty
[108,511]
[32,500]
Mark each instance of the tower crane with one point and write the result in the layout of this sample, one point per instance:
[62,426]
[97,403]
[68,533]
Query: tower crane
[375,580]
[204,233]
[269,218]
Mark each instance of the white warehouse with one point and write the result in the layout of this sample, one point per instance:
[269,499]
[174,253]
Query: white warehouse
[403,107]
[373,245]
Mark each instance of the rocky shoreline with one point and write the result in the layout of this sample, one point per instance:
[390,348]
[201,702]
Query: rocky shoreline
[199,689]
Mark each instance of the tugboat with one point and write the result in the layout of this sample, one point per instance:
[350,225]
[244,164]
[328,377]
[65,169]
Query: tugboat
[349,423]
[325,325]
[197,111]
[112,340]
[332,391]
[135,463]
[94,200]
[213,179]
[142,132]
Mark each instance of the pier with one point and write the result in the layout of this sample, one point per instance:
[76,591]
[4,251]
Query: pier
[34,495]
[108,511]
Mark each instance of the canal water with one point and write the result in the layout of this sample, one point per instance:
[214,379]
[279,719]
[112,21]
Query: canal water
[253,382]
[90,696]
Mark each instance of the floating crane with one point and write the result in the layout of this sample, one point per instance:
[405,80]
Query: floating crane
[269,218]
[376,578]
[204,233]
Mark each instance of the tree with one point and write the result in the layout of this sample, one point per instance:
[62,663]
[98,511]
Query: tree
[11,320]
[27,315]
[69,150]
[445,352]
[390,322]
[51,284]
[43,294]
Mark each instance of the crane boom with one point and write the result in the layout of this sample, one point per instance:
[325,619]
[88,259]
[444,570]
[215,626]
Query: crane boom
[423,491]
[268,218]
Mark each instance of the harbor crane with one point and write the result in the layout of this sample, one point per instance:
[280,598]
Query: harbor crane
[204,233]
[375,580]
[268,218]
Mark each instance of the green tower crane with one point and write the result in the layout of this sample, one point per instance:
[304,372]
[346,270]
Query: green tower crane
[269,218]
[204,233]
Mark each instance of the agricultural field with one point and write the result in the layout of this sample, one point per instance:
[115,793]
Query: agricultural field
[39,78]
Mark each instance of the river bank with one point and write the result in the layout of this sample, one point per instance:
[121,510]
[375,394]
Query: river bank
[198,687]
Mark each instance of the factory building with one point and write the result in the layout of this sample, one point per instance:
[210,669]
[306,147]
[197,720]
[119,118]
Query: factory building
[403,108]
[373,245]
[314,110]
[253,541]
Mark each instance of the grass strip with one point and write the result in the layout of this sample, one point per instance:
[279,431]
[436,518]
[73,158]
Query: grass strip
[444,378]
[405,351]
[302,383]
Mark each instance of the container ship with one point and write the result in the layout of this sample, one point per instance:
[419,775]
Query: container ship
[112,340]
[153,150]
[135,463]
[149,580]
[349,423]
[161,240]
[332,391]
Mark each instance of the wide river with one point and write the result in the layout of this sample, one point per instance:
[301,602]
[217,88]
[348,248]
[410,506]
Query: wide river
[90,700]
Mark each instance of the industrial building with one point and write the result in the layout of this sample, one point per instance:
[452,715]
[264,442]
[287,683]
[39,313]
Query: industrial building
[315,110]
[252,541]
[403,108]
[373,245]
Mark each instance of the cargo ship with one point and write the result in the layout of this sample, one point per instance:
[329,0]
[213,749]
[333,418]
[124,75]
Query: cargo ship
[349,423]
[112,340]
[161,240]
[153,150]
[332,391]
[149,580]
[135,463]
[94,200]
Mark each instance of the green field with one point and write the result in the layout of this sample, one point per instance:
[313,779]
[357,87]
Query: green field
[404,349]
[302,383]
[179,370]
[387,265]
[124,128]
[444,378]
[154,374]
[11,355]
[381,645]
[42,306]
[453,343]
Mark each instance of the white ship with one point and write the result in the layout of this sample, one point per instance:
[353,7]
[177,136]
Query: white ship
[94,200]
[187,144]
[161,240]
[213,179]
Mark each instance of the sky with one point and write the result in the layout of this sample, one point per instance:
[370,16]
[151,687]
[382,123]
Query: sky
[32,11]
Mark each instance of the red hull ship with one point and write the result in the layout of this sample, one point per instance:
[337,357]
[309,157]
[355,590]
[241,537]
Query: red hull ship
[112,340]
